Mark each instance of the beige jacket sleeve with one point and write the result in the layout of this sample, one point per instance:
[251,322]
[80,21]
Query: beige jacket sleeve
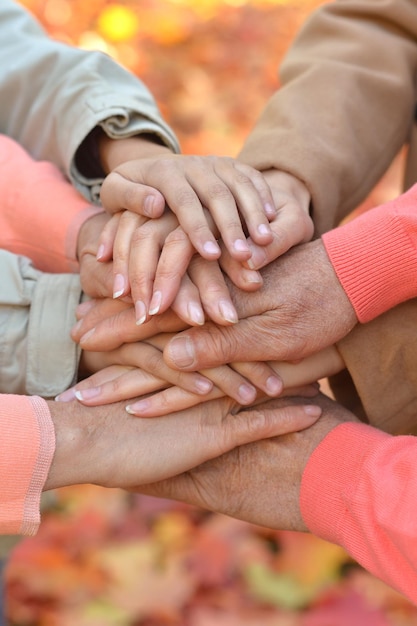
[53,95]
[37,355]
[345,105]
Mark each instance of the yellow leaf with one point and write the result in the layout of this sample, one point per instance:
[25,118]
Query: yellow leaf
[118,23]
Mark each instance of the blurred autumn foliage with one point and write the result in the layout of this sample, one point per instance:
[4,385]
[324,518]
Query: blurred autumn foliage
[106,558]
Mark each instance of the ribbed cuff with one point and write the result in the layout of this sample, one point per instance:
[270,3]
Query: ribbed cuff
[375,256]
[331,476]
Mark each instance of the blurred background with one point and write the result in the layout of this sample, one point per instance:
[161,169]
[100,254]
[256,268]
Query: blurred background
[105,558]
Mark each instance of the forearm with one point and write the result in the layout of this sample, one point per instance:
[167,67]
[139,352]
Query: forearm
[340,146]
[358,491]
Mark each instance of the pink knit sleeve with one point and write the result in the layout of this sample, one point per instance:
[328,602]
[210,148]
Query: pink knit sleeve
[27,446]
[359,491]
[375,256]
[41,211]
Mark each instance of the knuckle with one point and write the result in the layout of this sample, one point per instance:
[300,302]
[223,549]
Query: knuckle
[218,191]
[185,197]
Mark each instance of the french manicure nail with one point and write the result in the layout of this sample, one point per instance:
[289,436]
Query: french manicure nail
[66,396]
[118,286]
[87,394]
[135,409]
[140,312]
[100,252]
[155,303]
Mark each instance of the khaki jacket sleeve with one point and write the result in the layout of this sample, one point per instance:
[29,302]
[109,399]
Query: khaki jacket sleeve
[53,95]
[345,105]
[37,355]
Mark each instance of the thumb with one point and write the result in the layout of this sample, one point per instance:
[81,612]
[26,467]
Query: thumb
[212,345]
[263,423]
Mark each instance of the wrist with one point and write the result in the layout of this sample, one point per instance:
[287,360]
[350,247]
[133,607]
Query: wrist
[67,467]
[114,152]
[287,183]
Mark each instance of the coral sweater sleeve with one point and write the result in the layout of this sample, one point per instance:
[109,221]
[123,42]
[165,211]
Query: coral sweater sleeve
[41,212]
[375,256]
[358,488]
[27,446]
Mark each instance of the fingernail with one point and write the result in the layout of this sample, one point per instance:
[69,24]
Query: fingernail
[100,252]
[135,409]
[247,393]
[155,304]
[240,245]
[203,385]
[273,385]
[312,410]
[228,312]
[77,327]
[83,308]
[196,313]
[148,206]
[87,394]
[66,396]
[264,229]
[87,336]
[251,276]
[118,286]
[140,312]
[258,258]
[181,351]
[270,210]
[211,247]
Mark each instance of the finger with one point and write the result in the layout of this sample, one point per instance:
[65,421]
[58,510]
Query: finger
[146,246]
[175,257]
[96,278]
[187,303]
[243,277]
[213,345]
[261,375]
[128,223]
[149,358]
[290,227]
[122,328]
[106,239]
[251,194]
[214,293]
[118,193]
[116,383]
[232,384]
[95,311]
[169,400]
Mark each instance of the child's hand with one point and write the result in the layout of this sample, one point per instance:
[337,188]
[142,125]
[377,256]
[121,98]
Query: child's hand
[233,193]
[150,261]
